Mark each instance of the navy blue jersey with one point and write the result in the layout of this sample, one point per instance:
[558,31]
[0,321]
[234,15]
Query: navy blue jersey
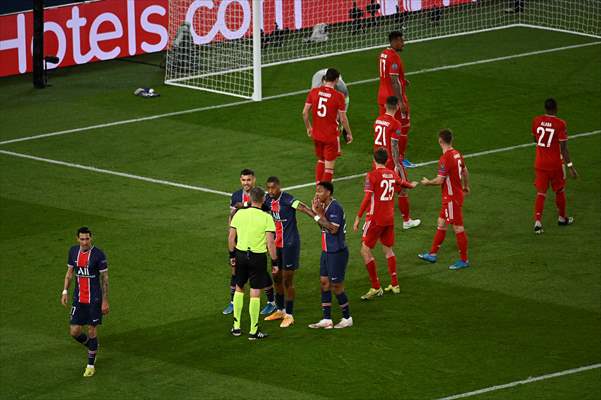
[239,196]
[283,211]
[332,243]
[87,266]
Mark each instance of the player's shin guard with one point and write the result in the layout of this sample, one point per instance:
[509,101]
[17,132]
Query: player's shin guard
[328,175]
[404,206]
[253,310]
[373,274]
[238,305]
[438,239]
[392,270]
[462,245]
[92,349]
[344,306]
[319,169]
[539,205]
[326,304]
[82,338]
[560,202]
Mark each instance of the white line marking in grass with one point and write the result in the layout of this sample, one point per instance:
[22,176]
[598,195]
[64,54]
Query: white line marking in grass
[478,154]
[109,172]
[207,190]
[238,103]
[523,382]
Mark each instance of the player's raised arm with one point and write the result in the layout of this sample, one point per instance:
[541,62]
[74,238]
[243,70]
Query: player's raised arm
[563,145]
[65,293]
[306,110]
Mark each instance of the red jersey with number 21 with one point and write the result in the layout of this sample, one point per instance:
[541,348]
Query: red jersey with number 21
[386,128]
[548,131]
[325,104]
[450,167]
[382,183]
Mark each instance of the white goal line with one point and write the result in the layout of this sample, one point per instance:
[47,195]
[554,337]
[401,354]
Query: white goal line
[522,382]
[238,103]
[222,193]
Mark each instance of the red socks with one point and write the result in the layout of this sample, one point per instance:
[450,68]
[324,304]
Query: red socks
[373,274]
[404,206]
[327,175]
[438,239]
[392,271]
[319,169]
[539,204]
[403,139]
[560,201]
[462,245]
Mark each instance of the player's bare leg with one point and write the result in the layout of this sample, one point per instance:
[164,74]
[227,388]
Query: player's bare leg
[441,232]
[391,260]
[461,238]
[288,284]
[279,298]
[370,264]
[91,343]
[347,320]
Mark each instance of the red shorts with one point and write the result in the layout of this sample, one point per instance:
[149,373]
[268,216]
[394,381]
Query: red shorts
[451,212]
[328,151]
[543,178]
[404,119]
[373,232]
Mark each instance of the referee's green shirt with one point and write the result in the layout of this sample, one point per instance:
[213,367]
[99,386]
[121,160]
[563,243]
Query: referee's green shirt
[251,225]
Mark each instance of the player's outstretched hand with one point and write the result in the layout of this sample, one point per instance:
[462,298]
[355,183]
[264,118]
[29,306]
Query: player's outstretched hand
[310,132]
[414,184]
[424,181]
[356,224]
[349,138]
[105,307]
[573,172]
[275,269]
[467,190]
[64,299]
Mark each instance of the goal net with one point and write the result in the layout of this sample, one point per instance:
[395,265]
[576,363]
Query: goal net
[217,45]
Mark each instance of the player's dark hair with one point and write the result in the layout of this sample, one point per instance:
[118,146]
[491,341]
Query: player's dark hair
[392,102]
[331,75]
[551,104]
[273,179]
[381,156]
[257,195]
[394,35]
[327,186]
[446,135]
[84,229]
[247,171]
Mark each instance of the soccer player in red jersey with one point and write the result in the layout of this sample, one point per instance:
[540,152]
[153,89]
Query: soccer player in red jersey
[393,83]
[327,106]
[453,178]
[380,185]
[388,133]
[551,140]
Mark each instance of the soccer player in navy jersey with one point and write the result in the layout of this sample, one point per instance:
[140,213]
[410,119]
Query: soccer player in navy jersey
[90,297]
[283,207]
[241,199]
[334,256]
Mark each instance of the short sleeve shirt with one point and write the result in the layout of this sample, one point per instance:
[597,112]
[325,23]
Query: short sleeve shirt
[251,224]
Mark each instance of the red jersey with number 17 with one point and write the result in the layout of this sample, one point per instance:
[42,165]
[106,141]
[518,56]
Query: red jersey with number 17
[548,131]
[450,167]
[390,65]
[325,104]
[382,183]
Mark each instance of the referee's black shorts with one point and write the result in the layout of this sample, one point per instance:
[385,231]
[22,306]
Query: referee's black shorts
[252,267]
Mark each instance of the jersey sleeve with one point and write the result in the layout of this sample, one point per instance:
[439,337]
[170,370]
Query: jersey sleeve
[309,98]
[234,223]
[103,264]
[295,203]
[70,260]
[443,167]
[233,201]
[393,65]
[341,102]
[335,215]
[562,135]
[396,131]
[368,187]
[269,224]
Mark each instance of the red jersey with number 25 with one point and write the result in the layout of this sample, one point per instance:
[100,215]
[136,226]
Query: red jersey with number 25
[325,104]
[390,65]
[382,183]
[548,131]
[450,166]
[386,128]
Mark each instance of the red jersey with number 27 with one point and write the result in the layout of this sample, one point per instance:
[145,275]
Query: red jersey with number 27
[325,104]
[450,167]
[382,183]
[390,65]
[548,131]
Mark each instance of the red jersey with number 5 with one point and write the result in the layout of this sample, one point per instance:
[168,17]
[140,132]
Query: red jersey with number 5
[450,167]
[390,65]
[548,131]
[325,104]
[386,128]
[382,183]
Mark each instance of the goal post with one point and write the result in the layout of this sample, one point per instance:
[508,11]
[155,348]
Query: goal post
[223,46]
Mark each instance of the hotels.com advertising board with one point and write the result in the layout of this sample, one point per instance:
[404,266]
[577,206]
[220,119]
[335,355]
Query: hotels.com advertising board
[108,29]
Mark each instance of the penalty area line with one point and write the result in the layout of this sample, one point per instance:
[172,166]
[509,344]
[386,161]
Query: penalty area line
[522,382]
[295,93]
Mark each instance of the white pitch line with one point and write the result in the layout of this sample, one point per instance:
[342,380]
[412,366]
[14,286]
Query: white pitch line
[207,190]
[478,154]
[522,382]
[279,96]
[116,173]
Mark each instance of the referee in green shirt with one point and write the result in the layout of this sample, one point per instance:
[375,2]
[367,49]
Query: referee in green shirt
[252,234]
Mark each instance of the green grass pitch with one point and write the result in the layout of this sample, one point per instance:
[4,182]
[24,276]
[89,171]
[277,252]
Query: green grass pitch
[529,305]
